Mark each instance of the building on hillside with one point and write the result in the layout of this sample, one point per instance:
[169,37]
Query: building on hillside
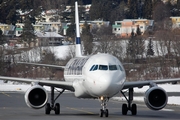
[173,2]
[175,22]
[8,30]
[124,28]
[93,25]
[49,38]
[19,29]
[96,24]
[50,26]
[40,27]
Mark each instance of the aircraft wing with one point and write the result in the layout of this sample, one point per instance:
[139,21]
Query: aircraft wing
[140,84]
[58,84]
[44,65]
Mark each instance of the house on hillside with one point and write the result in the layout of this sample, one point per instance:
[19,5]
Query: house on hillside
[50,26]
[175,22]
[19,28]
[123,29]
[8,30]
[95,24]
[49,38]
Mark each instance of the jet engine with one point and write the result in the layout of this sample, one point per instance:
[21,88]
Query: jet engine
[36,97]
[156,98]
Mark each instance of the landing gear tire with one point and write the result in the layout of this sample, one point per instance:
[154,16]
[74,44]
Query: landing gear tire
[129,106]
[47,109]
[106,113]
[57,108]
[103,112]
[134,109]
[124,109]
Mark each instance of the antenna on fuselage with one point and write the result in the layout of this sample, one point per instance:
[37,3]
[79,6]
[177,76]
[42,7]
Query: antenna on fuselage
[78,40]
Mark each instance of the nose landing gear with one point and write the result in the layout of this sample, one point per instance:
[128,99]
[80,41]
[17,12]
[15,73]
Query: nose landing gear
[104,111]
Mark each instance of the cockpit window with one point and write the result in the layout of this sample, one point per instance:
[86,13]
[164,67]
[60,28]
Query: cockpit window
[95,68]
[112,67]
[106,67]
[103,67]
[92,68]
[120,68]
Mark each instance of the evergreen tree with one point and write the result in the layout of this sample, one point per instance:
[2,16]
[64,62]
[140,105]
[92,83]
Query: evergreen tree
[139,42]
[8,11]
[28,32]
[102,9]
[161,11]
[131,46]
[147,9]
[150,50]
[138,31]
[133,9]
[177,12]
[135,47]
[118,13]
[1,37]
[71,31]
[87,39]
[87,2]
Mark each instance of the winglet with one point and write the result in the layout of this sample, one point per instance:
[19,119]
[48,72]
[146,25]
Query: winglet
[78,40]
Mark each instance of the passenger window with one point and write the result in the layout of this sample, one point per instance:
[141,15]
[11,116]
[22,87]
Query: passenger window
[112,67]
[103,67]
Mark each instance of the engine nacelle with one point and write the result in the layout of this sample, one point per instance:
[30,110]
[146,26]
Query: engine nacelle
[156,98]
[36,97]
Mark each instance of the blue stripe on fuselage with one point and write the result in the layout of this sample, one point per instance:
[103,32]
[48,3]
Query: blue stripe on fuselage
[78,40]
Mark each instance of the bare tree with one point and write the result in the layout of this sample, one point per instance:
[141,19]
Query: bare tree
[161,11]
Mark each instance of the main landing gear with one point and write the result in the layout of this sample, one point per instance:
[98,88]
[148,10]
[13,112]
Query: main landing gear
[104,111]
[130,106]
[51,106]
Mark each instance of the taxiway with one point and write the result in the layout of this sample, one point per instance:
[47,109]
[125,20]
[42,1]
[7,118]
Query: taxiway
[13,107]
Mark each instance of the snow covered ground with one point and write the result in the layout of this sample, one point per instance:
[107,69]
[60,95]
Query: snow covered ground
[168,87]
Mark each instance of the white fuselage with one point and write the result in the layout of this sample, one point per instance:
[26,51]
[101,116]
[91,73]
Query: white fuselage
[100,75]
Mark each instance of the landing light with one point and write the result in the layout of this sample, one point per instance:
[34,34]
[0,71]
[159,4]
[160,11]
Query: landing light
[101,98]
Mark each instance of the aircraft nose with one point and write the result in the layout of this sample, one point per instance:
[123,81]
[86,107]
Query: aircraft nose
[107,83]
[105,80]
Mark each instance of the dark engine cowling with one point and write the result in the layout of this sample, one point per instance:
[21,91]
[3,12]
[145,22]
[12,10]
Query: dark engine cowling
[36,97]
[156,98]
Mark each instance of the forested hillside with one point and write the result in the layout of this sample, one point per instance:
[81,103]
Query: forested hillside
[109,10]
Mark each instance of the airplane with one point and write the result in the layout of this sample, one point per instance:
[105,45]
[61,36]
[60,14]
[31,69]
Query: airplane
[99,76]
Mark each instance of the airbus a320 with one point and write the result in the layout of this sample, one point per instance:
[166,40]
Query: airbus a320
[99,76]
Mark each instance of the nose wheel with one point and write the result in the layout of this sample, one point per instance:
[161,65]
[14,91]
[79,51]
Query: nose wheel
[104,111]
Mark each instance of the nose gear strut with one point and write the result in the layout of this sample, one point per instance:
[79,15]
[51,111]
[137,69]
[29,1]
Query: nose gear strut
[104,111]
